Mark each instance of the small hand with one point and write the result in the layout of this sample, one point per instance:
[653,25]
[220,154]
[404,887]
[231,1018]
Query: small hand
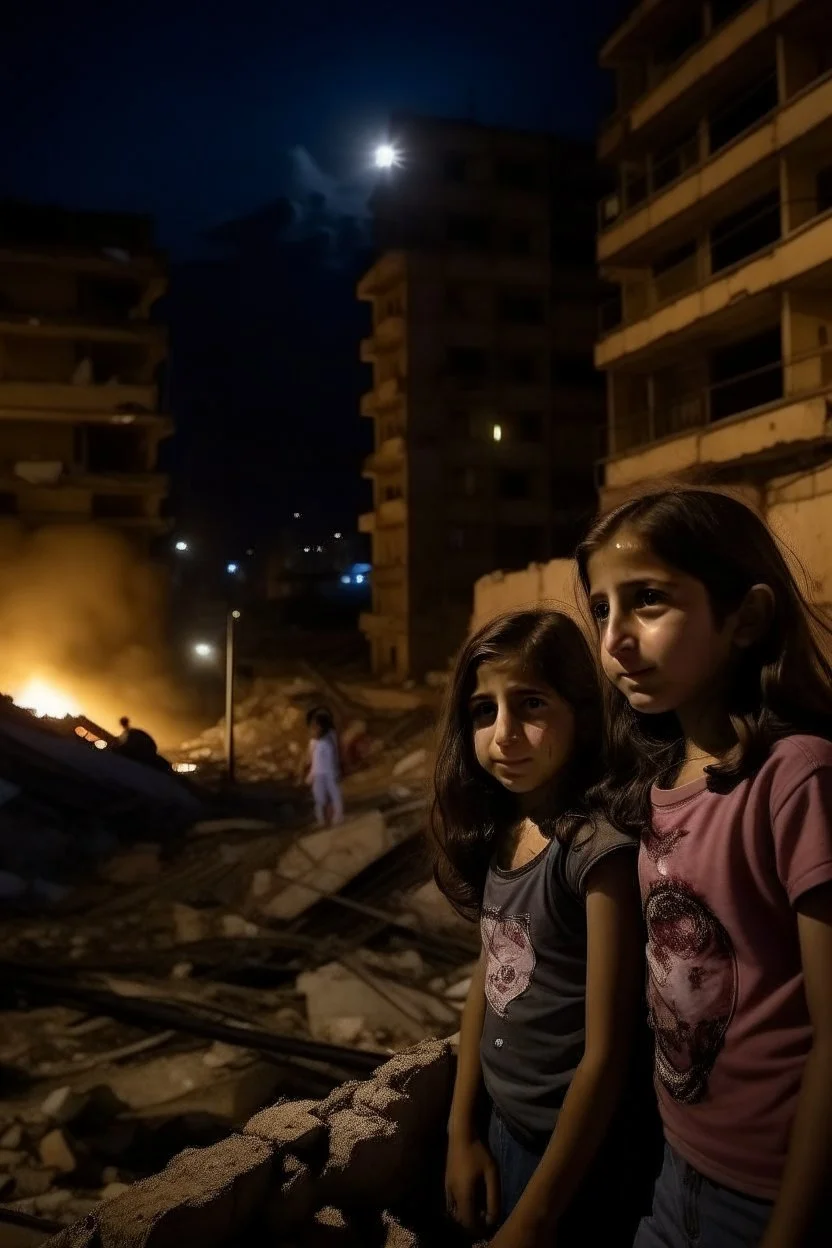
[472,1185]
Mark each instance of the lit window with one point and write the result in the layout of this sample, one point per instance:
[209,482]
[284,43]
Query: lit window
[497,433]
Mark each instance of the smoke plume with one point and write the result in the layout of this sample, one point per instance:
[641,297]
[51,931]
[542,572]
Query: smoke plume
[82,612]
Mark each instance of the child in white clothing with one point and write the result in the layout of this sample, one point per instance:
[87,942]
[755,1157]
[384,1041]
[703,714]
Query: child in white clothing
[324,771]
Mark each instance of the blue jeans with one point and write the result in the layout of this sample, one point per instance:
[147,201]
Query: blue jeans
[516,1163]
[690,1211]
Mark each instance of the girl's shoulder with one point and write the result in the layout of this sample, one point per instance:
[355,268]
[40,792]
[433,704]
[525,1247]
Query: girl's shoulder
[593,841]
[794,758]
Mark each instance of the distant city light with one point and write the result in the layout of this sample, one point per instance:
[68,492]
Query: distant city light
[250,551]
[204,650]
[181,546]
[235,615]
[306,549]
[232,568]
[386,156]
[359,579]
[337,536]
[296,515]
[319,549]
[99,744]
[497,433]
[346,580]
[185,769]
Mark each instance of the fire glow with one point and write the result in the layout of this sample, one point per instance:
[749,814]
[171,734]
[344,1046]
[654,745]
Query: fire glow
[45,700]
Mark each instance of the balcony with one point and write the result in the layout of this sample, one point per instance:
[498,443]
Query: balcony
[705,59]
[386,394]
[640,209]
[676,304]
[389,458]
[54,397]
[759,414]
[388,336]
[79,325]
[389,271]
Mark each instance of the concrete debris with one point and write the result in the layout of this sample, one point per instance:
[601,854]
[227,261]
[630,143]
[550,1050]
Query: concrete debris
[220,1055]
[190,926]
[57,1152]
[236,928]
[412,763]
[138,865]
[400,1014]
[12,1138]
[323,862]
[63,1104]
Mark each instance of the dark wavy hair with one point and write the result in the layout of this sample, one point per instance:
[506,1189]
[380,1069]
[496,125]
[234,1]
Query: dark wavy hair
[779,686]
[470,808]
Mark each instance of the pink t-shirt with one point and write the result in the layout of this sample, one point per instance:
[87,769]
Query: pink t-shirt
[720,874]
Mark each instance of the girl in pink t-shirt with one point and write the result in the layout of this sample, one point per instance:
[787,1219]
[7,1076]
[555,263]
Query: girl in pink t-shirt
[719,717]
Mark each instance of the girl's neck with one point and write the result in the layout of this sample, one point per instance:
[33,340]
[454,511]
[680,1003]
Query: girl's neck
[708,736]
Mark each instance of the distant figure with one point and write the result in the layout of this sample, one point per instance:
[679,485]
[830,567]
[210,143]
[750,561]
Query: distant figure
[324,772]
[138,745]
[325,711]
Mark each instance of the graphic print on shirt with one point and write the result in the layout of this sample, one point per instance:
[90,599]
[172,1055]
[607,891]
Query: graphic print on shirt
[510,957]
[692,987]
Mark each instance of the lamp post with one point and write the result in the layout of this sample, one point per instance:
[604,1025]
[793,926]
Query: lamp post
[230,629]
[205,651]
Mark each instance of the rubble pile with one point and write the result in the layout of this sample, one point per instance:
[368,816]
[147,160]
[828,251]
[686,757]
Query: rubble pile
[270,732]
[181,987]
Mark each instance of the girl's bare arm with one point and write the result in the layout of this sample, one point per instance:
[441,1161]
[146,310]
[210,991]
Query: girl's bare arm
[808,1175]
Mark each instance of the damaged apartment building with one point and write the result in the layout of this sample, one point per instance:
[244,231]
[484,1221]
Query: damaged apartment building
[80,365]
[718,345]
[486,407]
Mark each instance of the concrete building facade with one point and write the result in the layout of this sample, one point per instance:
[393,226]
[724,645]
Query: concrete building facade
[717,345]
[80,358]
[486,408]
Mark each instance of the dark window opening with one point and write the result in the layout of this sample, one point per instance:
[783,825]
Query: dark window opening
[472,232]
[9,504]
[522,370]
[113,450]
[673,258]
[116,507]
[671,163]
[514,486]
[521,309]
[459,424]
[746,374]
[745,110]
[743,233]
[106,299]
[469,363]
[685,37]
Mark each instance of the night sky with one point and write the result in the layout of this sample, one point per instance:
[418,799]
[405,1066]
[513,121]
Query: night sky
[246,129]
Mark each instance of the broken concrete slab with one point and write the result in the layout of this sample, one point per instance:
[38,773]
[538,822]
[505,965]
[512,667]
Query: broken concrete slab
[334,992]
[326,861]
[190,926]
[64,1104]
[289,1124]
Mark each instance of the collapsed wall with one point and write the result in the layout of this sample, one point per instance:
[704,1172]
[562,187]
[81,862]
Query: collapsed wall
[361,1167]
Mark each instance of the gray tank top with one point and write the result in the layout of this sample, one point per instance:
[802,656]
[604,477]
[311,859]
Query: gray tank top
[533,926]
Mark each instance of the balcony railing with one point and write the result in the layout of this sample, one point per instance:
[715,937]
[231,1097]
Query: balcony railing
[641,188]
[778,382]
[672,283]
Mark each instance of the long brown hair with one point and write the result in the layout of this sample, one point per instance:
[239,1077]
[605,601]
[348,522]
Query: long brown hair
[779,686]
[470,809]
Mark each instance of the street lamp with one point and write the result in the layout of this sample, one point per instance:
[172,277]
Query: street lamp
[232,568]
[205,651]
[182,547]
